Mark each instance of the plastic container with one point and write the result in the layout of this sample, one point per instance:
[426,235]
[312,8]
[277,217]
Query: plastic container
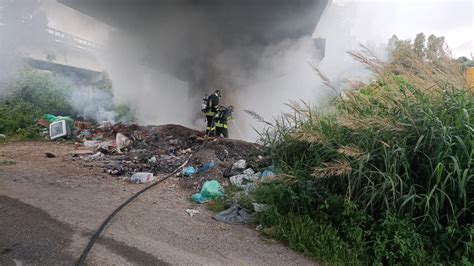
[140,178]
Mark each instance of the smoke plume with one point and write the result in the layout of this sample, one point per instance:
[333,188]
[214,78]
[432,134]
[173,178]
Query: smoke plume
[257,52]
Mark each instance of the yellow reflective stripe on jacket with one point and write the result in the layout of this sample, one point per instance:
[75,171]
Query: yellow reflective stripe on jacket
[221,125]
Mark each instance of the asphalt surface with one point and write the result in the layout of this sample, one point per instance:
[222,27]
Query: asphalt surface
[29,235]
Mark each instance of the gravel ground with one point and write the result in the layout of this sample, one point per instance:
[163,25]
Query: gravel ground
[63,202]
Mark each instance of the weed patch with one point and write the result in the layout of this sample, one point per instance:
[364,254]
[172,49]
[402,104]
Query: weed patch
[387,177]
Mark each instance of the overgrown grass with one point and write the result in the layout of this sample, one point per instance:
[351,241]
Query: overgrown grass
[387,177]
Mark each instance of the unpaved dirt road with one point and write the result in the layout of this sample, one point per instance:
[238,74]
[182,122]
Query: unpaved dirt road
[49,207]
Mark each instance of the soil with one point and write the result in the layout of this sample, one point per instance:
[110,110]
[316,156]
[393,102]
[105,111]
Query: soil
[60,201]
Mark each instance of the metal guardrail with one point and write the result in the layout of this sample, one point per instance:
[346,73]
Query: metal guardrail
[73,41]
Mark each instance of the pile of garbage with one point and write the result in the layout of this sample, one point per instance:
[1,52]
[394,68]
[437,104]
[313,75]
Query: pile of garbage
[141,153]
[136,149]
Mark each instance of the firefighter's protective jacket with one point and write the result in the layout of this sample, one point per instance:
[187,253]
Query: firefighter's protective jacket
[223,116]
[212,105]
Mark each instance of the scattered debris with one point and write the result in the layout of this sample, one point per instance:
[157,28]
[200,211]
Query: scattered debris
[269,172]
[152,159]
[105,146]
[210,190]
[127,149]
[248,171]
[188,150]
[59,126]
[84,134]
[235,215]
[268,175]
[95,156]
[192,212]
[258,207]
[42,123]
[140,178]
[245,181]
[237,168]
[77,153]
[239,165]
[50,155]
[91,143]
[59,129]
[122,141]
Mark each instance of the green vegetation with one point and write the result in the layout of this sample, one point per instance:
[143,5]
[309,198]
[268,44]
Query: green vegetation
[386,177]
[124,113]
[31,95]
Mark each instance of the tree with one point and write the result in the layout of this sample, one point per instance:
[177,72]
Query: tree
[463,59]
[435,48]
[419,45]
[392,43]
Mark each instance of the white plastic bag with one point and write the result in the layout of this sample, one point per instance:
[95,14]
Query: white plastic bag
[239,165]
[121,140]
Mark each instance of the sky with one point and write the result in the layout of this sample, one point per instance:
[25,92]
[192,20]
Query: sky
[376,20]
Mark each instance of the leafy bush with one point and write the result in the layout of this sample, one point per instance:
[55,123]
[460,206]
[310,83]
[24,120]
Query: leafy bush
[27,98]
[388,174]
[33,93]
[398,242]
[124,113]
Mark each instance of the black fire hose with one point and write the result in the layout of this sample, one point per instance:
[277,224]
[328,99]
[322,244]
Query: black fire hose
[96,235]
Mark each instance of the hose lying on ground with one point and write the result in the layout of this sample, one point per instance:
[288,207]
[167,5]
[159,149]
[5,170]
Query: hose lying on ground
[96,235]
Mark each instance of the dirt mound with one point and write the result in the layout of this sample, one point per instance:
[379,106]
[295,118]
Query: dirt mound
[161,149]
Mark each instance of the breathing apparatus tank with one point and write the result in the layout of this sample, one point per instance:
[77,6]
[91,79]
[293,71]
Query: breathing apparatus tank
[204,103]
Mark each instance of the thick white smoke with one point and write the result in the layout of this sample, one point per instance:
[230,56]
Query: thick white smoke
[282,72]
[157,97]
[92,103]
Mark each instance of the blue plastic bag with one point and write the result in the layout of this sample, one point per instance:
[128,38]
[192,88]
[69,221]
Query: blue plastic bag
[269,172]
[189,171]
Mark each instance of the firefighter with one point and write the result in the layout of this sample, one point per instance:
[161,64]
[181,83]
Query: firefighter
[211,110]
[222,117]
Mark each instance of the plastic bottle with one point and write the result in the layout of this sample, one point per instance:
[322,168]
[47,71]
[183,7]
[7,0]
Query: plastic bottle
[206,167]
[140,178]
